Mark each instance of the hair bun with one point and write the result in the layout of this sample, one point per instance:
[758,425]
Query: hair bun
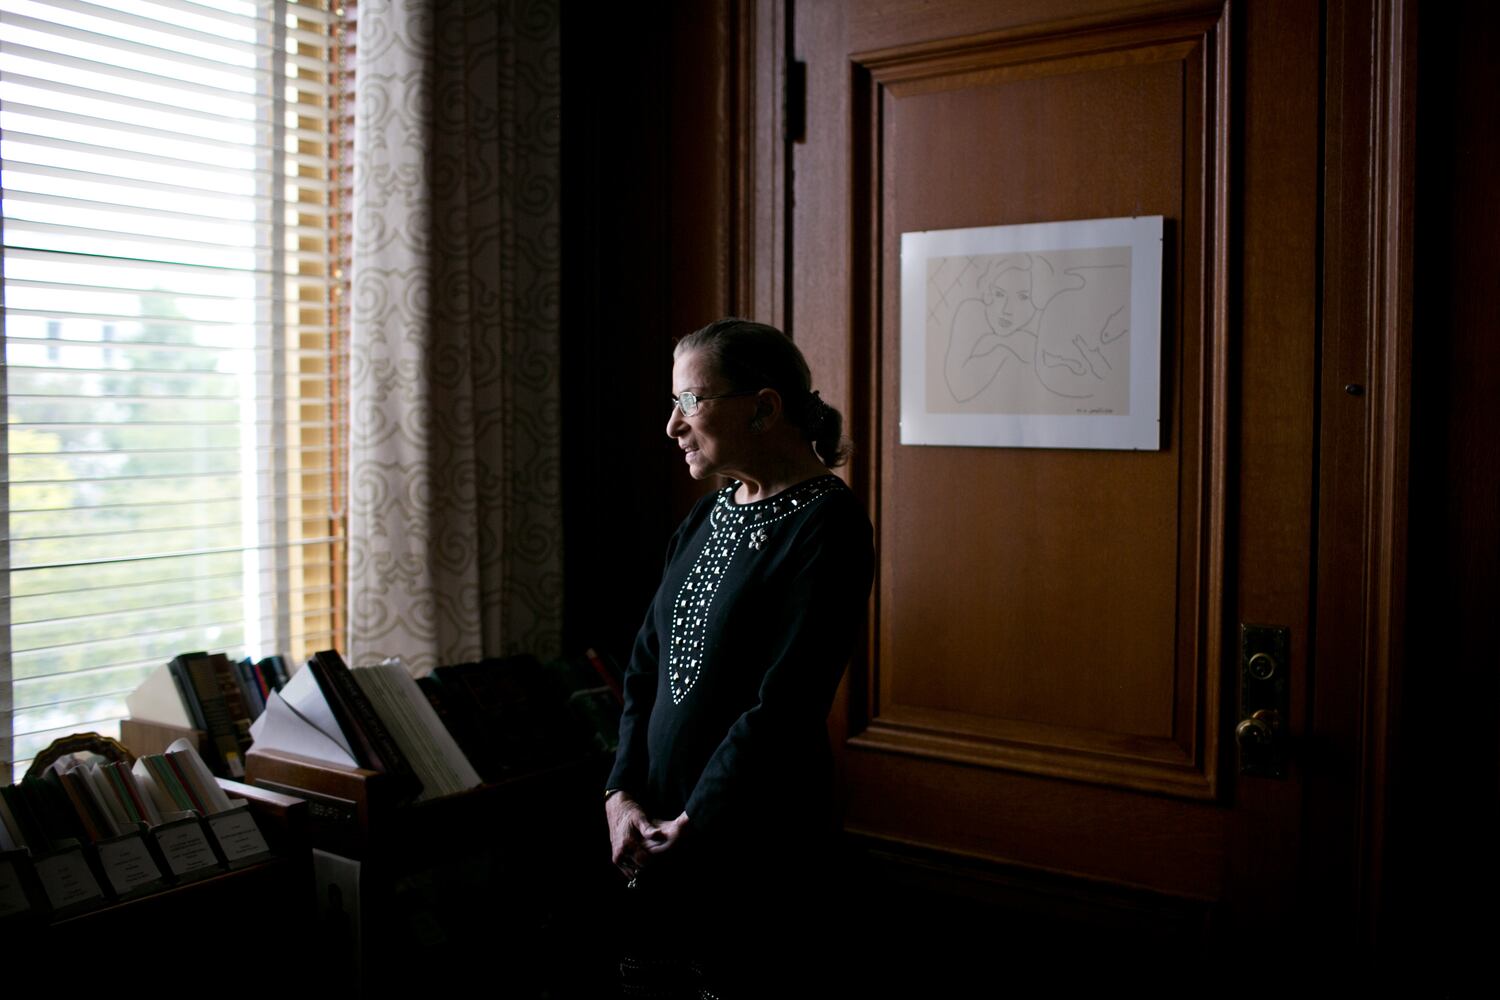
[815,413]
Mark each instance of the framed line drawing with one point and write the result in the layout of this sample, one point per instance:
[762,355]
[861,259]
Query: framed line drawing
[1034,336]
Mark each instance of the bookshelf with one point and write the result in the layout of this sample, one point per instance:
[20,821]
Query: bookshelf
[511,879]
[191,931]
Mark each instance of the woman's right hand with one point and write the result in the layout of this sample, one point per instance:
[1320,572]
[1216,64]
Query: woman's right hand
[631,833]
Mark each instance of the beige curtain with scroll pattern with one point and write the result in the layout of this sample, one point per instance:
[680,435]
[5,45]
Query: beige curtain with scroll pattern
[454,511]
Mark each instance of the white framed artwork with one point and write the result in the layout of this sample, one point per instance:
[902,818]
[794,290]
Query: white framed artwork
[1035,336]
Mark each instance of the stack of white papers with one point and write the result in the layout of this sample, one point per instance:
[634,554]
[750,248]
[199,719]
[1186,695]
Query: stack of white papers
[298,720]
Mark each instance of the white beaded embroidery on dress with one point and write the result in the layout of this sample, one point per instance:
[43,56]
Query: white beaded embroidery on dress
[729,523]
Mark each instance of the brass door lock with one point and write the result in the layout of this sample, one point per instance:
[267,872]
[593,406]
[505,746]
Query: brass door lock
[1265,701]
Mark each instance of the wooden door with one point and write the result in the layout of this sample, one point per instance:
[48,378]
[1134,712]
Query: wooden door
[1051,680]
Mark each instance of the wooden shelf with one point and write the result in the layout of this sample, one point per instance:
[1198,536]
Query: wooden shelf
[512,876]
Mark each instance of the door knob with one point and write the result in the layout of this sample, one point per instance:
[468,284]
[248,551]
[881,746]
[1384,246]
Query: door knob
[1262,735]
[1259,730]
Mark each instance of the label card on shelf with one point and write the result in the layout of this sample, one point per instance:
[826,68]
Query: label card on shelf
[128,864]
[67,879]
[186,848]
[239,838]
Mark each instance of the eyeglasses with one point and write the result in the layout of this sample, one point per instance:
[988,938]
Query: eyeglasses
[687,402]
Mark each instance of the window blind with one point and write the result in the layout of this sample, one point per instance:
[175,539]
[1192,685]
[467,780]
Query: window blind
[175,178]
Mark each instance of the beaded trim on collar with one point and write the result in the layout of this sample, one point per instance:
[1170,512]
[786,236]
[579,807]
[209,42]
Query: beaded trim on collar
[730,524]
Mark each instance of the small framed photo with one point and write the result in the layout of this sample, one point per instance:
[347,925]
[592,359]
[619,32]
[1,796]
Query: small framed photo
[1036,336]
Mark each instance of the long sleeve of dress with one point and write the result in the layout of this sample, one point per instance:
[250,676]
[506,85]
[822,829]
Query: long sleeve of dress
[631,758]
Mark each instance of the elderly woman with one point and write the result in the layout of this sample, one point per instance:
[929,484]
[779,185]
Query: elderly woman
[719,801]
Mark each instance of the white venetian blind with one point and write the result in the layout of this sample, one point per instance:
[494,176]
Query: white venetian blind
[172,465]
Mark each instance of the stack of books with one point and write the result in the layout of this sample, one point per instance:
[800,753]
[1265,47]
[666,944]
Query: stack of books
[392,728]
[509,715]
[593,686]
[451,730]
[88,833]
[217,697]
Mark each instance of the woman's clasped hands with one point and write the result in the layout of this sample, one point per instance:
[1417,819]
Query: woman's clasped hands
[636,840]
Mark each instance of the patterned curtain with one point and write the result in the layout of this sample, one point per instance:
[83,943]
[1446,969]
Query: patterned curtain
[454,513]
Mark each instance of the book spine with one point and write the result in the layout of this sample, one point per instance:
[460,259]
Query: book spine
[122,783]
[606,675]
[244,674]
[166,780]
[234,700]
[177,667]
[186,784]
[139,794]
[358,718]
[60,825]
[263,684]
[278,675]
[219,722]
[83,806]
[98,783]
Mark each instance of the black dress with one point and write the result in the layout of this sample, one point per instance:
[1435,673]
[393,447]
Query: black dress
[727,697]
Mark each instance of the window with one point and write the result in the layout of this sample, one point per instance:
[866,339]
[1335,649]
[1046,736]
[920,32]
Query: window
[174,247]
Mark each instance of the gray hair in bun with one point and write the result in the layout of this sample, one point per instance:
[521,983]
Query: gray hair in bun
[753,356]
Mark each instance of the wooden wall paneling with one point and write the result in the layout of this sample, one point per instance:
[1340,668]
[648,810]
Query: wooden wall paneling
[1275,447]
[820,241]
[952,920]
[983,721]
[762,162]
[1017,676]
[1364,770]
[819,276]
[1108,835]
[883,24]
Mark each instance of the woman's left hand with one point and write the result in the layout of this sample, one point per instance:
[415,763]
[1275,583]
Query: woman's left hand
[669,834]
[630,833]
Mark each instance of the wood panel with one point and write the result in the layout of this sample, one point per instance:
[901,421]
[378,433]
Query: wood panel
[963,913]
[1055,612]
[1042,764]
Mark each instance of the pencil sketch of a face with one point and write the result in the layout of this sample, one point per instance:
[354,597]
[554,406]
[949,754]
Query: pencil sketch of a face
[1042,333]
[1007,300]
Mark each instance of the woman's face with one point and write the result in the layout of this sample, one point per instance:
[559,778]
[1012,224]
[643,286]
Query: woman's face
[716,440]
[1008,302]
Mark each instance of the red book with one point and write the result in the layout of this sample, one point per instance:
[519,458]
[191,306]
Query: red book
[186,783]
[605,674]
